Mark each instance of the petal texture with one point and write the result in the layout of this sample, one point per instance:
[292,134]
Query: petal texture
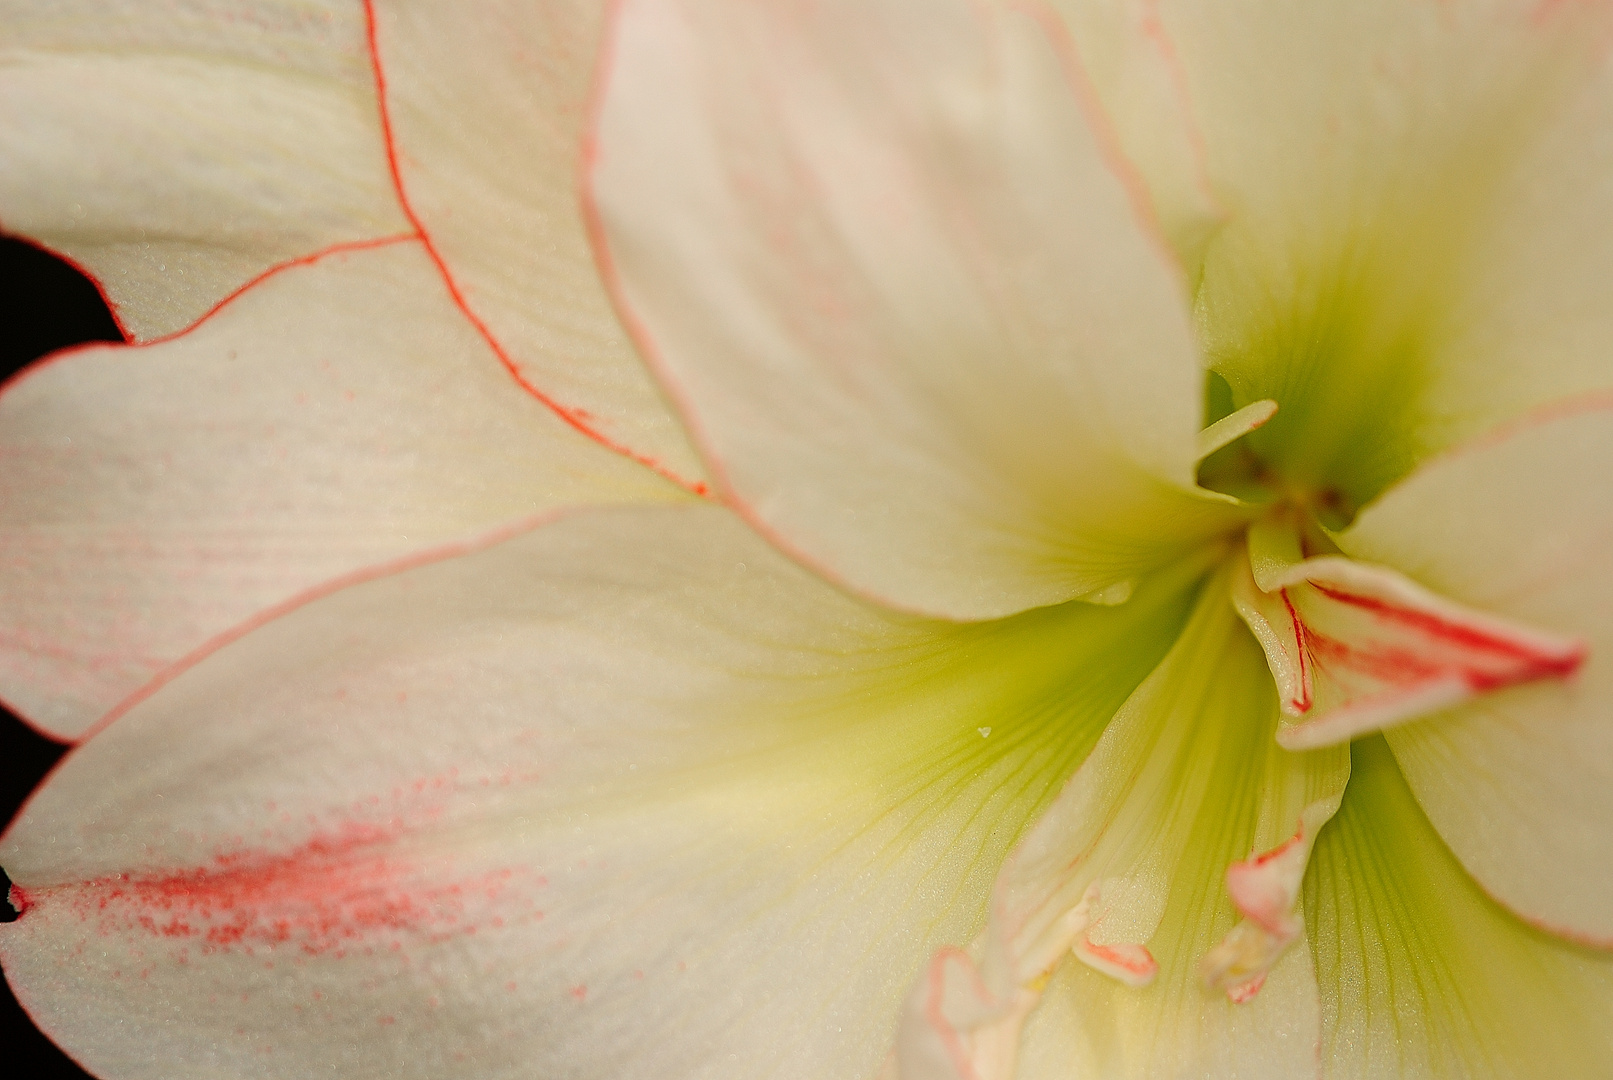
[906,291]
[630,796]
[488,115]
[1418,219]
[1520,783]
[337,415]
[1128,871]
[176,152]
[1187,782]
[1424,976]
[1139,81]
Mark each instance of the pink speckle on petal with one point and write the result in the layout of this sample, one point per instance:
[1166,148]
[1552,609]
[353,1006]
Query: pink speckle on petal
[1238,995]
[340,890]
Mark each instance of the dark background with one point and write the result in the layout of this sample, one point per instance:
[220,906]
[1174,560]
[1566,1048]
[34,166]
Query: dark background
[44,305]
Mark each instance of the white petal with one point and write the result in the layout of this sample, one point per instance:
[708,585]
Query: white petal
[1532,324]
[1520,783]
[176,154]
[488,115]
[1419,220]
[1422,976]
[631,796]
[910,297]
[1139,82]
[1128,869]
[338,415]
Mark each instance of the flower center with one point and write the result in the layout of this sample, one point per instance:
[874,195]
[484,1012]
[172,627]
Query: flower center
[1353,648]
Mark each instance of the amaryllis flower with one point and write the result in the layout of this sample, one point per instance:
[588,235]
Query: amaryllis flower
[1121,587]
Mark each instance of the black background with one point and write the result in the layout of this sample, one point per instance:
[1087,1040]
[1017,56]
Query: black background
[44,305]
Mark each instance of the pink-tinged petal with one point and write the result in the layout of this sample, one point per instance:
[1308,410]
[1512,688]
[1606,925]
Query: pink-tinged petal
[1117,891]
[910,297]
[487,117]
[961,1021]
[1265,888]
[1356,647]
[177,152]
[337,415]
[1419,225]
[1140,83]
[1520,782]
[629,796]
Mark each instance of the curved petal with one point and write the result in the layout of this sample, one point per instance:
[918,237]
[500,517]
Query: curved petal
[337,415]
[1419,223]
[630,796]
[1130,869]
[1520,782]
[1356,647]
[487,114]
[907,293]
[1424,976]
[177,155]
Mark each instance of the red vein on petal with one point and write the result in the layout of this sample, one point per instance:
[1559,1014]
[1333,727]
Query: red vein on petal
[934,1007]
[1567,933]
[572,416]
[310,259]
[1153,27]
[1138,196]
[342,248]
[1304,701]
[1145,211]
[1580,403]
[1470,637]
[71,351]
[412,561]
[89,275]
[1398,666]
[615,290]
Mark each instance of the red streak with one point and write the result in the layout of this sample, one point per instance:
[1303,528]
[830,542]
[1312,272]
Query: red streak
[1262,860]
[1455,633]
[1121,959]
[328,894]
[934,1011]
[574,417]
[1398,666]
[1303,702]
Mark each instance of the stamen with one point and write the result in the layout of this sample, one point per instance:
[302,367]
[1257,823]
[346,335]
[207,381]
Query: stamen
[1129,962]
[1235,426]
[1132,964]
[1240,963]
[1265,889]
[962,1020]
